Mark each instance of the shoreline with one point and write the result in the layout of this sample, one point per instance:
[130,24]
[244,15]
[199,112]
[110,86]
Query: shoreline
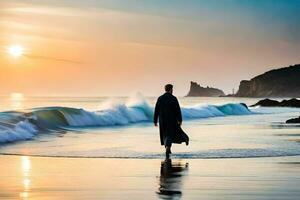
[105,178]
[143,158]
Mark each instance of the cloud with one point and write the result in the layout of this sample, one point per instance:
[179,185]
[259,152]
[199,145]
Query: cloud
[52,59]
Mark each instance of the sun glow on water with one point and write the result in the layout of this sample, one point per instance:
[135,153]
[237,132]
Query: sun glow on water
[16,96]
[26,164]
[16,100]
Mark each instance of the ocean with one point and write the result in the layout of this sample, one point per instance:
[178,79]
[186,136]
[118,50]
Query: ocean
[121,127]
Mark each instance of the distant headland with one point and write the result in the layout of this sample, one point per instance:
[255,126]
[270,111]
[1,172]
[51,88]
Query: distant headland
[283,82]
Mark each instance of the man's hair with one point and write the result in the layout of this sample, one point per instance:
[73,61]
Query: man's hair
[168,87]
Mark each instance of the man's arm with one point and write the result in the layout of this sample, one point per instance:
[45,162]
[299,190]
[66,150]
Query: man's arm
[156,112]
[178,112]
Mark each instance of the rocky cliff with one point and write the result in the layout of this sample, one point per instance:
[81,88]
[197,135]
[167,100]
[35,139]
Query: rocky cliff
[283,82]
[197,91]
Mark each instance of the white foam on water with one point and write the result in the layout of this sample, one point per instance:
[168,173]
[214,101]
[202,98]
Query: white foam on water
[23,130]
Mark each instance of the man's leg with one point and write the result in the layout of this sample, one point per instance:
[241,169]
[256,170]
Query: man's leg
[168,152]
[168,144]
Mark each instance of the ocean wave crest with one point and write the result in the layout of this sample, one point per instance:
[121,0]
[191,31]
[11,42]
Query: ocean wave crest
[16,126]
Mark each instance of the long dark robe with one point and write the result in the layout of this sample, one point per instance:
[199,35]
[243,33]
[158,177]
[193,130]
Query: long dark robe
[167,112]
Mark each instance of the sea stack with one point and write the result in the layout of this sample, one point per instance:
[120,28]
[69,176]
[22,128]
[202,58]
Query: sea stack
[197,91]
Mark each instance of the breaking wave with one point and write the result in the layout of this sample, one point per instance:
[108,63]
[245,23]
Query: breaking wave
[15,126]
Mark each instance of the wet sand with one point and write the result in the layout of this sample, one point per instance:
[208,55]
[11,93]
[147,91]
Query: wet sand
[43,178]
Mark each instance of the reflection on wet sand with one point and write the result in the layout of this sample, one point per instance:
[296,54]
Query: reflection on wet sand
[26,167]
[170,180]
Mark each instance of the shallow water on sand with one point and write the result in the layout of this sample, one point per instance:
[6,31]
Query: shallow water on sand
[235,134]
[97,178]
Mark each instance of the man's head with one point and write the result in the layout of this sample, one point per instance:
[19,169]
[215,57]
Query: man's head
[169,88]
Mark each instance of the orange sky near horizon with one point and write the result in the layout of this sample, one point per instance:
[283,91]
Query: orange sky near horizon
[99,50]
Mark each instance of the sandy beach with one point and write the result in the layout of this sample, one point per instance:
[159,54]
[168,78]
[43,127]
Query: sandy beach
[42,178]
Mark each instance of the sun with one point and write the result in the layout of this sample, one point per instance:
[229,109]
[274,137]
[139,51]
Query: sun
[15,50]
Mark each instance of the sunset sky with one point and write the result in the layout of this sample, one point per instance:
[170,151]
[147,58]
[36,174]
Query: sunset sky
[116,47]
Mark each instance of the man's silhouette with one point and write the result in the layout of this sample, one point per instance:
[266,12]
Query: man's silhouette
[168,113]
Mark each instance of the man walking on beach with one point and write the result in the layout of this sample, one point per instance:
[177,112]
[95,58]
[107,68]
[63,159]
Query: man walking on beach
[167,112]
